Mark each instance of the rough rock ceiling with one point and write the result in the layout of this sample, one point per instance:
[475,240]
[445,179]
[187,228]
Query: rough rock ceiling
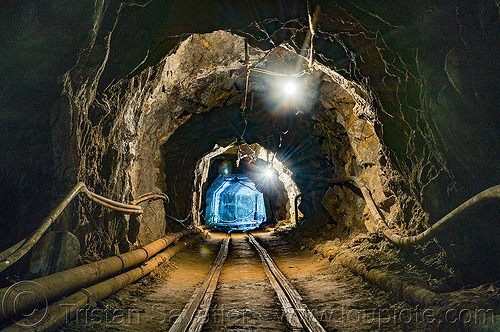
[430,69]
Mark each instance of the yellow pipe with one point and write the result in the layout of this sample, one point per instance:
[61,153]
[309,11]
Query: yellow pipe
[62,283]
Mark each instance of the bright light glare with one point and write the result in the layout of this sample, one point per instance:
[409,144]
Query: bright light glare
[290,87]
[268,172]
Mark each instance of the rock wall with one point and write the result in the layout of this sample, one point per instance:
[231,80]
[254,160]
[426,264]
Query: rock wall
[252,159]
[408,101]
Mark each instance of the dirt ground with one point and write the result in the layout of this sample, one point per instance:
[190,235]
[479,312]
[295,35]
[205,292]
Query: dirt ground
[244,300]
[339,300]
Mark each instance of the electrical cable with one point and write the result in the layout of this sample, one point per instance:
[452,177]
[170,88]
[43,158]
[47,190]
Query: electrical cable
[236,180]
[180,221]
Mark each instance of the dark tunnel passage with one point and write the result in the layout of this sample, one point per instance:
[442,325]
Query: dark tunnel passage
[275,121]
[252,165]
[276,199]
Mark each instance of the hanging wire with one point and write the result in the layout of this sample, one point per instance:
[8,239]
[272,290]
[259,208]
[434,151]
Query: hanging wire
[288,128]
[238,155]
[244,114]
[311,30]
[147,224]
[251,68]
[244,103]
[272,73]
[239,181]
[241,140]
[181,221]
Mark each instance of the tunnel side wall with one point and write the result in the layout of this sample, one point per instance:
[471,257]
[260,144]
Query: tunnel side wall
[427,67]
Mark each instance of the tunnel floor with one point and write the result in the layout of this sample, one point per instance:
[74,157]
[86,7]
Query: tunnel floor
[244,299]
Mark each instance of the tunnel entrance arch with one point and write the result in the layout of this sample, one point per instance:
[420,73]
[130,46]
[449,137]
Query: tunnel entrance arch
[327,132]
[279,190]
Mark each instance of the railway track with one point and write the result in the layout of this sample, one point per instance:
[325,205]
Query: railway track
[231,283]
[194,315]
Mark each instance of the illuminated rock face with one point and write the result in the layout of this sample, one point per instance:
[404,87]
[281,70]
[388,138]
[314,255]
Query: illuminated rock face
[128,96]
[234,203]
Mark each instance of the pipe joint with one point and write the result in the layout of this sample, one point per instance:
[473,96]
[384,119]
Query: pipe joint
[121,259]
[174,234]
[148,255]
[91,297]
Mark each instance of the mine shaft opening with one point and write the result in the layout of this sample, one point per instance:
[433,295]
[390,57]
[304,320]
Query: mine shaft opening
[246,192]
[308,117]
[129,100]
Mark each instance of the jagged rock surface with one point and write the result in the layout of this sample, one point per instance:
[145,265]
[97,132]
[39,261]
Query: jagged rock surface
[89,95]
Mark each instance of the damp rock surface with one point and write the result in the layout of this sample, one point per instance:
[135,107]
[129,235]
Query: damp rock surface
[129,96]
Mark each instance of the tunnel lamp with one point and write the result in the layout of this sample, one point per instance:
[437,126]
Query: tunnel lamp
[290,87]
[268,172]
[286,92]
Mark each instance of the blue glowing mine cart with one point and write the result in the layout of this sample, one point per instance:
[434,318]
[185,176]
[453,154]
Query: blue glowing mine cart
[234,203]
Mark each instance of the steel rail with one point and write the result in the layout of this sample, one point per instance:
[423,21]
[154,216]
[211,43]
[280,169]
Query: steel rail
[488,194]
[288,309]
[293,304]
[194,314]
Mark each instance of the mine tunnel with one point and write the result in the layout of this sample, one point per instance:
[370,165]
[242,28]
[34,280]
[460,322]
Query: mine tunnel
[303,165]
